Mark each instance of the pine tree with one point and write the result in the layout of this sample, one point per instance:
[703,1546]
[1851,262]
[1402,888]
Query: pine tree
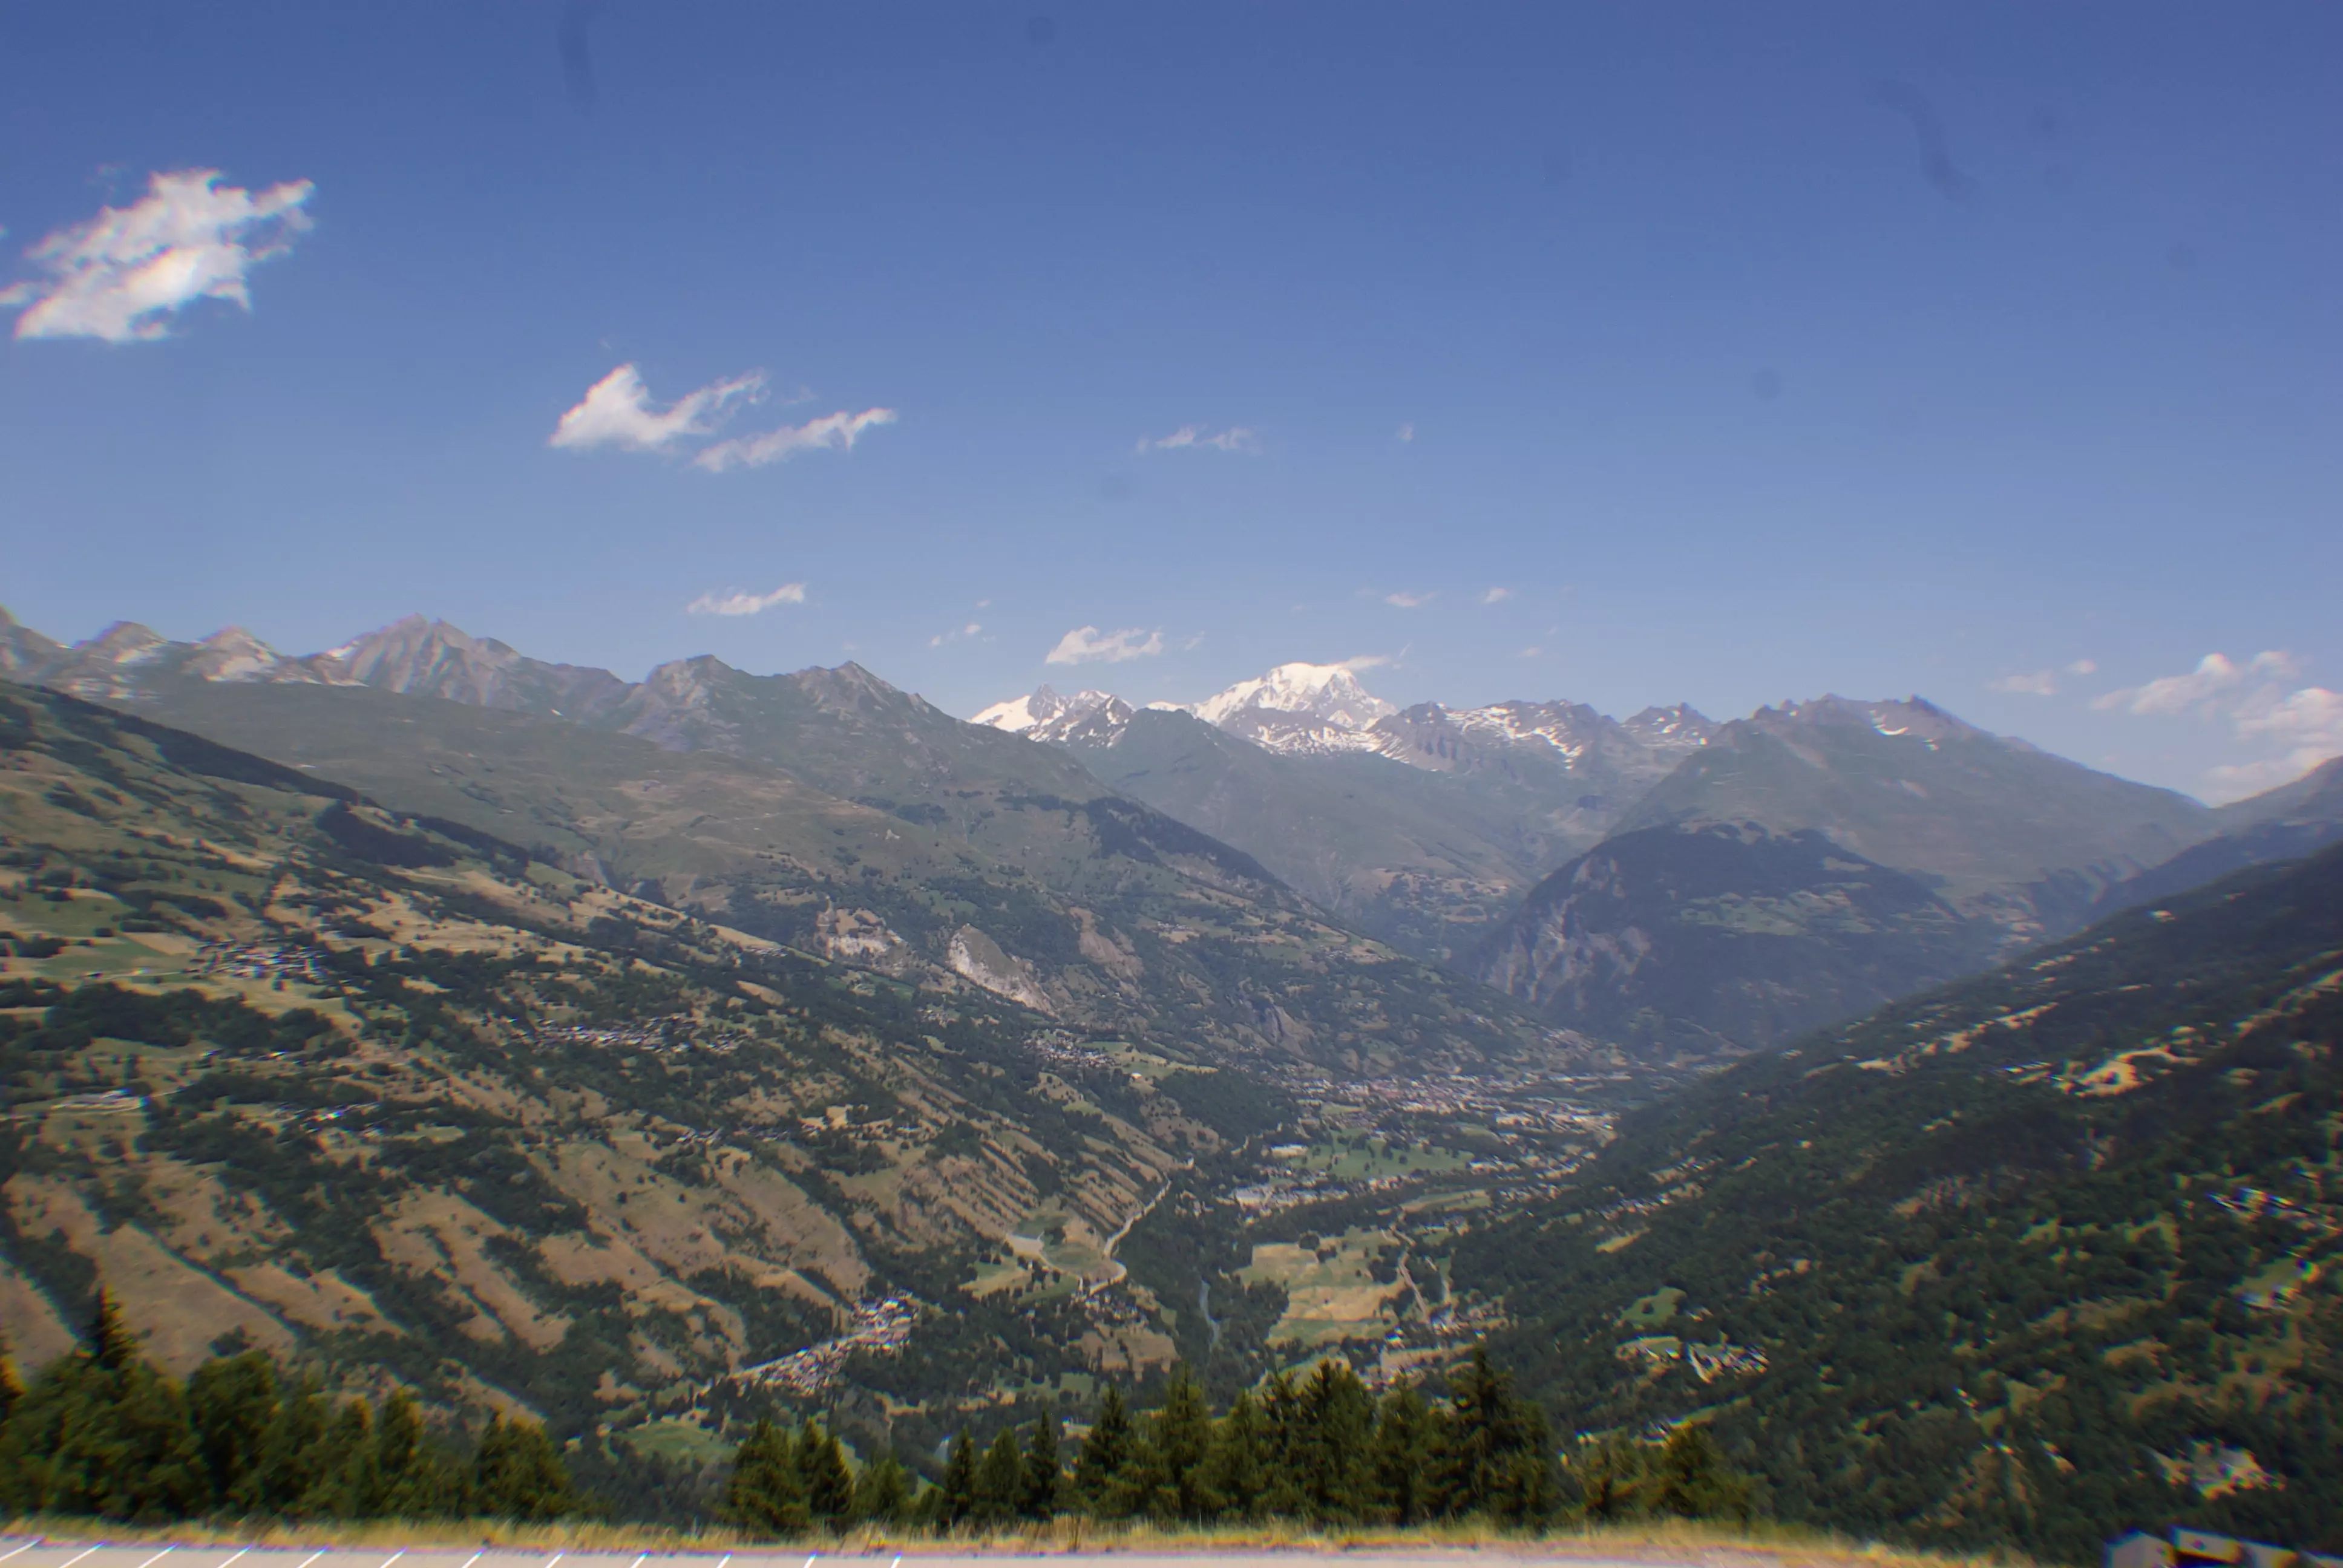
[1106,1453]
[1485,1435]
[958,1490]
[1283,1443]
[1172,1458]
[346,1483]
[293,1443]
[1043,1473]
[883,1493]
[233,1403]
[999,1482]
[112,1345]
[829,1484]
[1237,1471]
[1612,1480]
[1335,1421]
[764,1494]
[1405,1490]
[1695,1480]
[517,1473]
[414,1485]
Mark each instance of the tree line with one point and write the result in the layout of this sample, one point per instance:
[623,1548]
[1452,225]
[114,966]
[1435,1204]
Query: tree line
[1322,1449]
[102,1433]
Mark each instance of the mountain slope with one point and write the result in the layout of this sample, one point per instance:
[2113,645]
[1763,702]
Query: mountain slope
[831,812]
[1700,943]
[2029,1260]
[2282,824]
[283,1068]
[1295,768]
[1422,859]
[2006,832]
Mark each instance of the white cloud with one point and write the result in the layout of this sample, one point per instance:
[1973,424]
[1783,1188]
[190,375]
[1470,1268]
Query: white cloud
[2213,674]
[1409,600]
[2041,683]
[1088,645]
[831,432]
[2084,667]
[1497,596]
[122,275]
[1531,652]
[2304,725]
[941,638]
[1367,661]
[1235,438]
[617,412]
[733,601]
[1406,433]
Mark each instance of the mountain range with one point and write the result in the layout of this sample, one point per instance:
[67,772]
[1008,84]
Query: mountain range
[1675,887]
[543,1040]
[831,812]
[1681,888]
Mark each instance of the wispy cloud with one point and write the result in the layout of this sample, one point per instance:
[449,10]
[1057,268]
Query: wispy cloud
[971,630]
[124,274]
[1497,596]
[2040,683]
[1406,433]
[1088,645]
[1235,438]
[2214,674]
[1404,600]
[2084,667]
[733,601]
[832,432]
[617,411]
[2304,724]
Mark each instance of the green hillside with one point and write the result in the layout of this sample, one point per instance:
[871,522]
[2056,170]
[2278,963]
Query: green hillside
[830,812]
[2029,1260]
[285,1069]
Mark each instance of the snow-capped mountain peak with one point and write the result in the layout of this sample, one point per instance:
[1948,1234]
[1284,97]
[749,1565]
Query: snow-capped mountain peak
[1043,715]
[1331,692]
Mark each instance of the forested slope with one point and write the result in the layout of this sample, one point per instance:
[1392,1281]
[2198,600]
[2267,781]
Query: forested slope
[283,1069]
[2032,1259]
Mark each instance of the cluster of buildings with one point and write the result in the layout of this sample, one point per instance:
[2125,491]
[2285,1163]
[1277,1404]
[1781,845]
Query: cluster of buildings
[882,1327]
[662,1035]
[1657,1352]
[258,960]
[2251,1203]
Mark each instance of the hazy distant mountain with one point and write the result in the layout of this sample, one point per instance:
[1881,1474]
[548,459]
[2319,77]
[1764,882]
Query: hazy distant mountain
[2283,824]
[2004,830]
[1295,768]
[1699,943]
[1793,824]
[23,650]
[828,810]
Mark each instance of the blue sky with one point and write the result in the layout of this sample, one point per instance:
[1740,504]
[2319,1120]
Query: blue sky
[1747,352]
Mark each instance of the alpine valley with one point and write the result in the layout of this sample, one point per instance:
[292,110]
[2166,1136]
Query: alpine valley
[1948,1126]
